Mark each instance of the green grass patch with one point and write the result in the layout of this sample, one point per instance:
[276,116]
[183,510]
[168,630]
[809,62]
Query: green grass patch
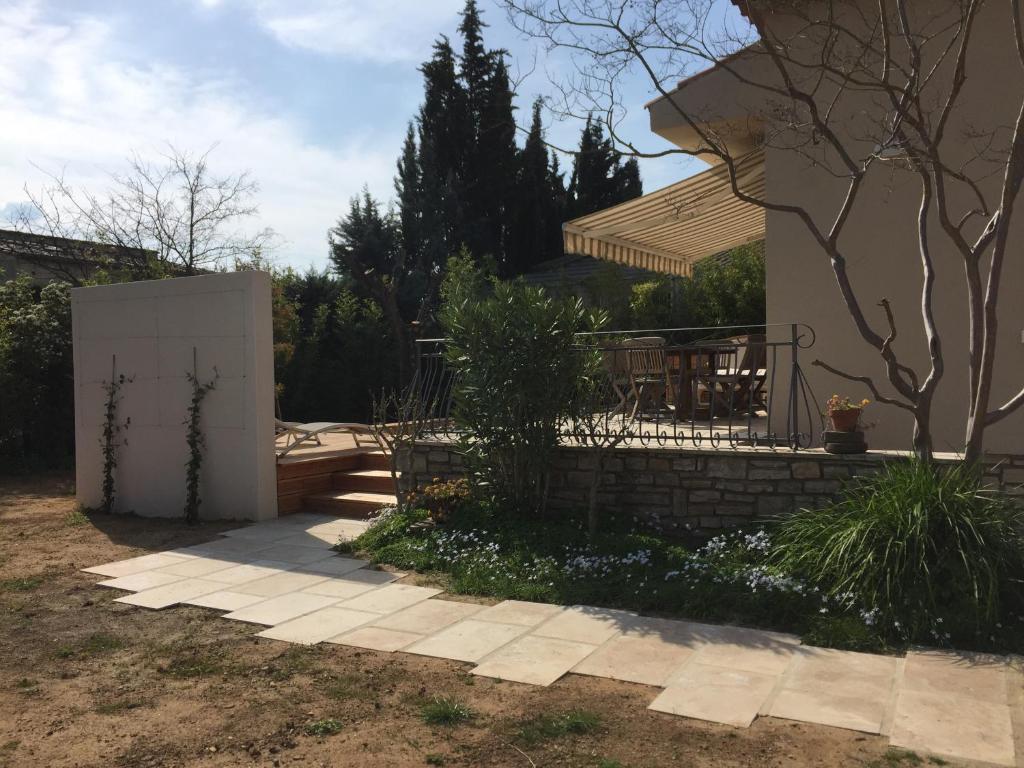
[445,710]
[576,722]
[294,661]
[433,759]
[93,645]
[20,584]
[119,706]
[76,517]
[204,663]
[326,727]
[346,687]
[606,762]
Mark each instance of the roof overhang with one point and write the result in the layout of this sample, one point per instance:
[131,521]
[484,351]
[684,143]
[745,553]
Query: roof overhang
[670,230]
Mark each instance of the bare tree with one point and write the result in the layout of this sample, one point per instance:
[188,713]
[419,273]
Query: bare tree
[176,213]
[855,89]
[399,419]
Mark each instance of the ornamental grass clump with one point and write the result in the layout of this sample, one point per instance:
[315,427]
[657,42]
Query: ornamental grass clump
[923,551]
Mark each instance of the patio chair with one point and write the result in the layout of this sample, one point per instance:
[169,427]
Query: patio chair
[615,359]
[649,378]
[740,389]
[296,433]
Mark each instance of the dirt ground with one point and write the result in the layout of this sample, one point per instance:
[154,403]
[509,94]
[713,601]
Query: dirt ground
[85,681]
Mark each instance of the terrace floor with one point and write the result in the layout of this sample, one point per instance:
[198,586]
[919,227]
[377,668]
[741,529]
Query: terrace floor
[283,577]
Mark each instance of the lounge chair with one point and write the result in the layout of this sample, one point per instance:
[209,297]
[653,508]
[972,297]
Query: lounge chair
[297,433]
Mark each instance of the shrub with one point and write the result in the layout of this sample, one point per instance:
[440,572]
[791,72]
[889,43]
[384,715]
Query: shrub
[37,425]
[442,499]
[517,368]
[924,550]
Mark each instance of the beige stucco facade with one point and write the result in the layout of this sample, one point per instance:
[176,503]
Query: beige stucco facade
[880,242]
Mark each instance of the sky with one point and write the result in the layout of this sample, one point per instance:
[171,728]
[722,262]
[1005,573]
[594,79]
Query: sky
[312,97]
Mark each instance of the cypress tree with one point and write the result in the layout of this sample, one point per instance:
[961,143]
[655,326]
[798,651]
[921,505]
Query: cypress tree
[599,178]
[534,201]
[444,135]
[410,205]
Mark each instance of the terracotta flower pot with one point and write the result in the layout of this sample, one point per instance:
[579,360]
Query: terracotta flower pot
[845,420]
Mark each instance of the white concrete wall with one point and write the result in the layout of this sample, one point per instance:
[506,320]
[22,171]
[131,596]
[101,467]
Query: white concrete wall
[152,327]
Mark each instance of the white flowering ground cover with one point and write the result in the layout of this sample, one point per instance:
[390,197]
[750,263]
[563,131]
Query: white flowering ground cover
[729,578]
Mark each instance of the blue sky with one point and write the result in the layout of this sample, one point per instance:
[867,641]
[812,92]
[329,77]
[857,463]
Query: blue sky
[311,96]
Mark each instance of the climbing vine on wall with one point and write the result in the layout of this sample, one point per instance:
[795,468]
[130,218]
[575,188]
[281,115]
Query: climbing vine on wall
[112,428]
[195,439]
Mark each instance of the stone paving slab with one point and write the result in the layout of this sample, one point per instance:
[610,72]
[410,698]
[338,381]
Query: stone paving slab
[135,565]
[469,640]
[976,676]
[170,594]
[257,569]
[649,660]
[282,583]
[225,600]
[427,617]
[198,567]
[340,588]
[138,582]
[284,575]
[224,547]
[336,566]
[838,688]
[583,624]
[305,539]
[277,610]
[951,727]
[291,553]
[317,626]
[520,612]
[390,598]
[377,639]
[534,660]
[766,658]
[718,694]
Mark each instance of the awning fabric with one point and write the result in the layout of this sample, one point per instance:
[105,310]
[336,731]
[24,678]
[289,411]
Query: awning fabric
[671,229]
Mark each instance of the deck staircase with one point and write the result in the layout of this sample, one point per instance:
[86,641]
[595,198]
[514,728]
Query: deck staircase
[354,485]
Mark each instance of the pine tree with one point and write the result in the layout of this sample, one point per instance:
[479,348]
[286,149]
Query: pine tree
[366,249]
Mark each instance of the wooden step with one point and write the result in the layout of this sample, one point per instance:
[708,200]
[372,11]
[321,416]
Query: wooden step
[369,480]
[375,460]
[290,470]
[348,503]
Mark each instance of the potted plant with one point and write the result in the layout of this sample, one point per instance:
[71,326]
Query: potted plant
[844,413]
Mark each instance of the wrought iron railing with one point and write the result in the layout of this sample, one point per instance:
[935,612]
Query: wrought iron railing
[699,387]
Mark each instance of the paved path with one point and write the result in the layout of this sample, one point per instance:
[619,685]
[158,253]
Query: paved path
[282,575]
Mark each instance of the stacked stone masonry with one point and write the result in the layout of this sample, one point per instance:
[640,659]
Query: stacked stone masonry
[687,489]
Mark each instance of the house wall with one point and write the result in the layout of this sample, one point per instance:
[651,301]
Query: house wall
[881,241]
[880,238]
[152,328]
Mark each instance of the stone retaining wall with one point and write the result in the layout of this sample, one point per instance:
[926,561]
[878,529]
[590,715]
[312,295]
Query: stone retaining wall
[677,488]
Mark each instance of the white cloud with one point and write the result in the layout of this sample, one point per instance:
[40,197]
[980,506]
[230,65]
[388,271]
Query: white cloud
[383,31]
[73,99]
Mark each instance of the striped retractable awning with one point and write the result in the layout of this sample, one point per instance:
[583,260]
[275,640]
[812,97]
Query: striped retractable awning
[671,229]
